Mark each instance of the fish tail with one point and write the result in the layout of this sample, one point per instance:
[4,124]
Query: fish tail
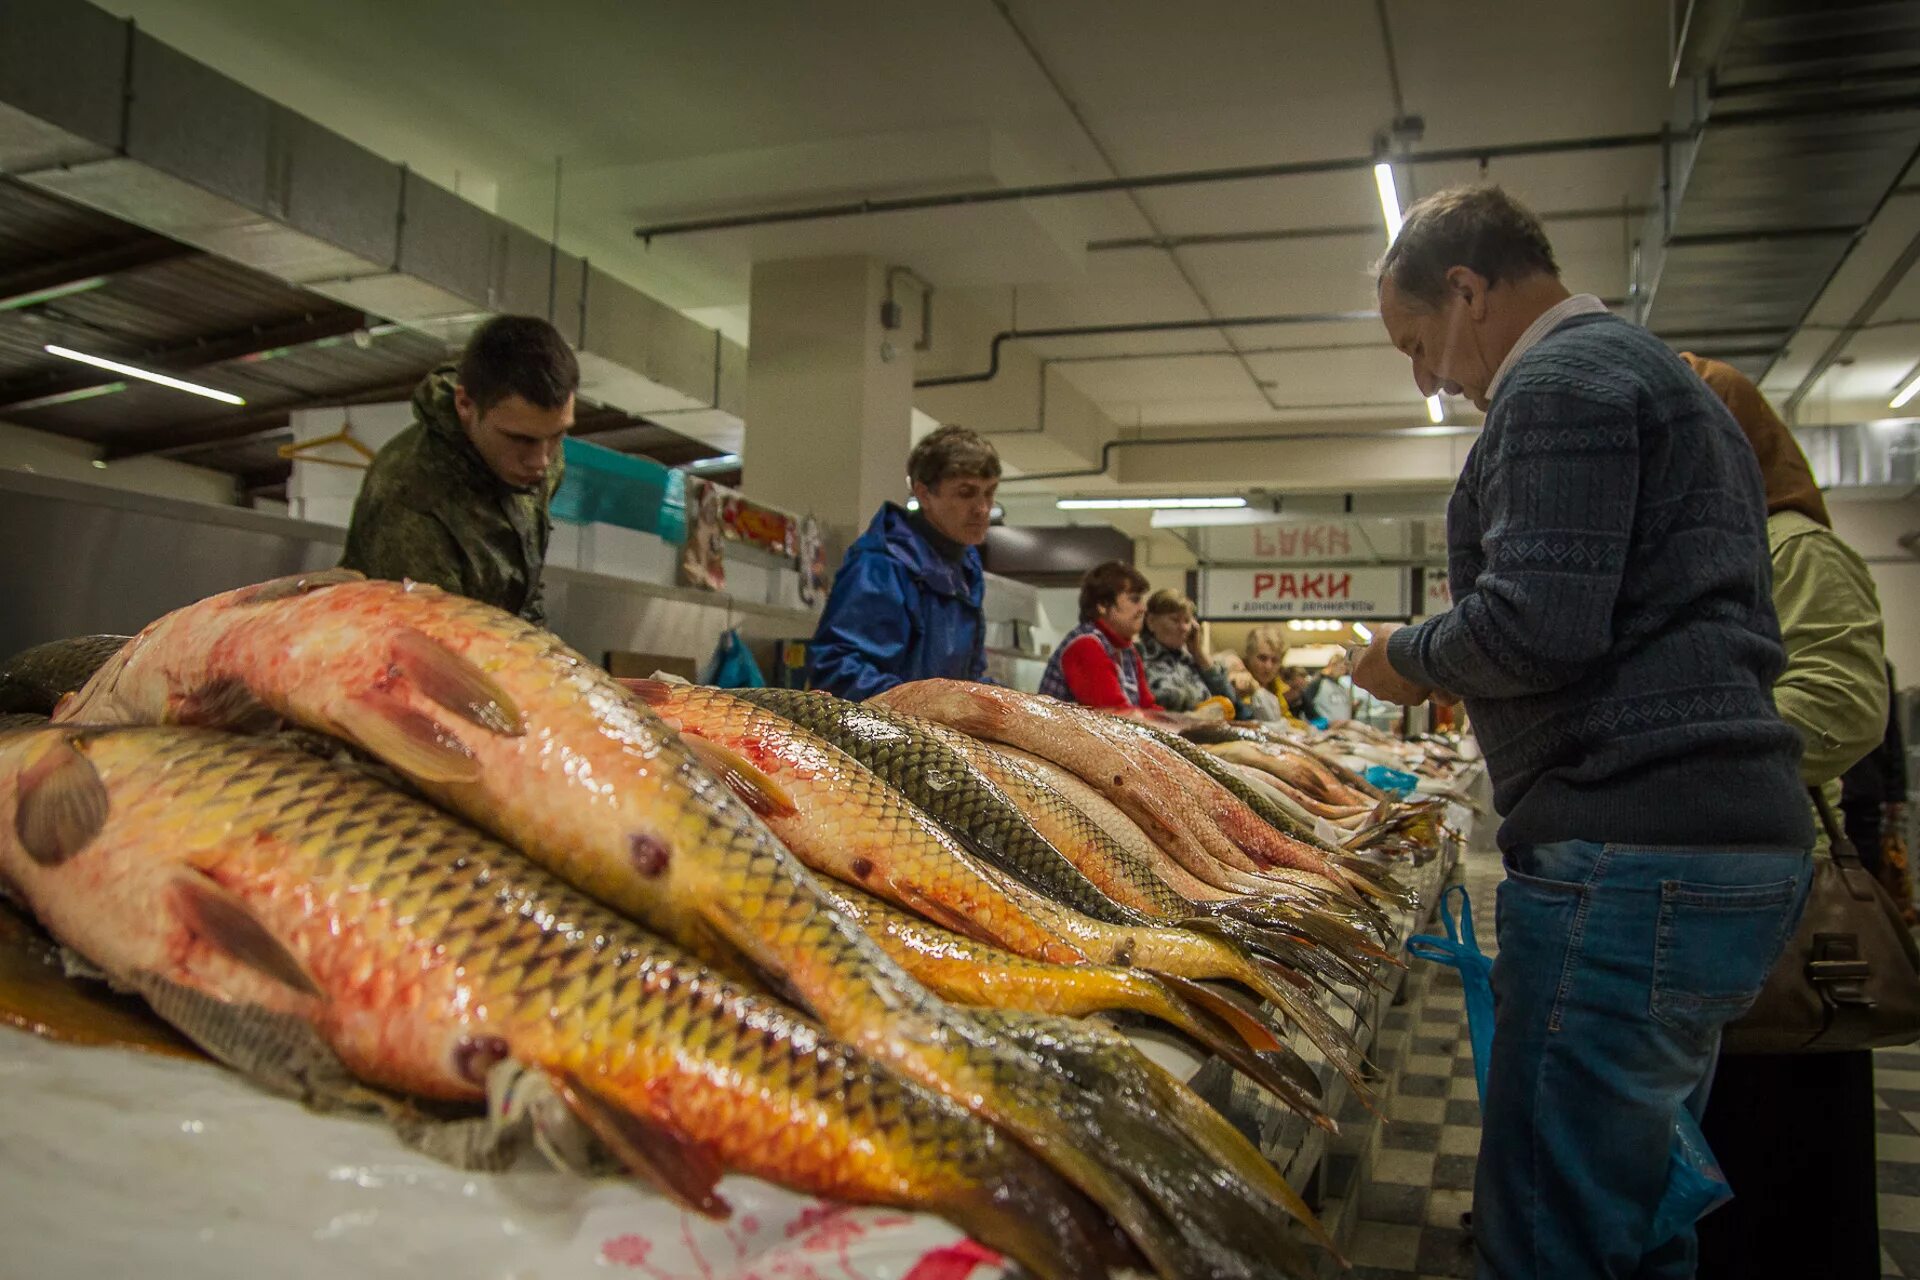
[1333,969]
[1270,1064]
[1375,881]
[1028,1213]
[1174,1150]
[1195,955]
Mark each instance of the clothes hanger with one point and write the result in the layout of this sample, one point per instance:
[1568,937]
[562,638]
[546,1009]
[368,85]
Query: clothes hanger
[303,449]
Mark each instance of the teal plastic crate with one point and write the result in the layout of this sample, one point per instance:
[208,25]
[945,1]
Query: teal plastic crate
[605,486]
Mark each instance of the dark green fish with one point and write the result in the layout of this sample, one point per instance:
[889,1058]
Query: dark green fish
[35,679]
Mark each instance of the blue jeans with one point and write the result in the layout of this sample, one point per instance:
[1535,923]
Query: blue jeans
[1618,967]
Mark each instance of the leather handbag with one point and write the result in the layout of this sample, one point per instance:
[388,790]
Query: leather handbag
[1850,975]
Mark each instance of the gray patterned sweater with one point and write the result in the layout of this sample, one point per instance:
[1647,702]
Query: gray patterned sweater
[1612,631]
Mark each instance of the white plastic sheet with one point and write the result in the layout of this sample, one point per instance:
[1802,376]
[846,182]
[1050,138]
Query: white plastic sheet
[120,1163]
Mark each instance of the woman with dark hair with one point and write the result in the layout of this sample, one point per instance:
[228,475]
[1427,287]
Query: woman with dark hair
[1794,1133]
[1096,664]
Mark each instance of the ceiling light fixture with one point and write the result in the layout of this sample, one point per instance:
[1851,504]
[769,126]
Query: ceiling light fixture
[719,462]
[1364,631]
[1147,504]
[1905,393]
[1436,411]
[1389,198]
[146,375]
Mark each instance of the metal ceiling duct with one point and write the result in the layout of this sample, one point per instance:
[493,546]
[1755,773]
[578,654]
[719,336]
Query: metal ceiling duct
[1784,150]
[95,110]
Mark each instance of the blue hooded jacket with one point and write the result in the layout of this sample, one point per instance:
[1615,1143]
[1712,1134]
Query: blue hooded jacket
[899,611]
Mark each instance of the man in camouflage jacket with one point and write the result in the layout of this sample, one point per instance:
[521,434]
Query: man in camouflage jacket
[459,499]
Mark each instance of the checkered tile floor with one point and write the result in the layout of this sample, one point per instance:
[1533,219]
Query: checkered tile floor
[1421,1180]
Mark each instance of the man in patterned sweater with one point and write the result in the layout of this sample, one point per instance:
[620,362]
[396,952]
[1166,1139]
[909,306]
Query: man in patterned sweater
[1613,639]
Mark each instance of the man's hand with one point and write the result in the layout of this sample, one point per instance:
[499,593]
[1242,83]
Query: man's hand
[1372,671]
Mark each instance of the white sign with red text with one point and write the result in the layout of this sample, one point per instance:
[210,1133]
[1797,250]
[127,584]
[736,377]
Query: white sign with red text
[1339,540]
[1300,591]
[1439,595]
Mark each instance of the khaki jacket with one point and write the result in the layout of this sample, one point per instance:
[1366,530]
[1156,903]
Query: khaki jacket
[433,511]
[1834,689]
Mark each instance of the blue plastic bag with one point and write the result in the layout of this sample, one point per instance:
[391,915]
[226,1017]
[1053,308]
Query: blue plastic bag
[732,665]
[1695,1185]
[1461,950]
[1399,785]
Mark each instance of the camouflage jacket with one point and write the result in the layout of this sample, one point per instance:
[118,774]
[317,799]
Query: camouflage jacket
[433,511]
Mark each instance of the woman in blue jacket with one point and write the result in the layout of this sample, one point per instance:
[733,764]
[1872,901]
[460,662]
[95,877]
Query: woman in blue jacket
[906,604]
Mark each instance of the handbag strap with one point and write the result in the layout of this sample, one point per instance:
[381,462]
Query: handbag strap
[1836,836]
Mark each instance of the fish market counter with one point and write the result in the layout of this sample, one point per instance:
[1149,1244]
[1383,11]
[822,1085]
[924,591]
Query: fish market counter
[118,1163]
[1303,1152]
[117,1159]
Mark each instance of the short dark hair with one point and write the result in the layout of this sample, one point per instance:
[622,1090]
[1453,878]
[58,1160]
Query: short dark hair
[518,356]
[1106,583]
[1483,228]
[952,451]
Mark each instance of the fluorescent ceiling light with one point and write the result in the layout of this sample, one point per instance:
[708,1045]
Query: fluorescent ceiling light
[1365,632]
[1436,412]
[1905,393]
[1205,519]
[34,297]
[1389,201]
[146,375]
[720,462]
[1147,504]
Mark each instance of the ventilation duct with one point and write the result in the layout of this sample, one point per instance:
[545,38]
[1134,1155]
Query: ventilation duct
[1783,150]
[96,111]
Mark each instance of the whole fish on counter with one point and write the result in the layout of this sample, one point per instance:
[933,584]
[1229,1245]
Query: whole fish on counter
[922,763]
[842,819]
[423,953]
[1182,807]
[34,680]
[974,973]
[500,722]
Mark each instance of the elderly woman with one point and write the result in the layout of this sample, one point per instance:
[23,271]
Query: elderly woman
[1263,652]
[1096,663]
[1794,1133]
[1180,668]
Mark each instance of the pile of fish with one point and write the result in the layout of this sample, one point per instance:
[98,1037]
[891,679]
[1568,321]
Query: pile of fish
[850,948]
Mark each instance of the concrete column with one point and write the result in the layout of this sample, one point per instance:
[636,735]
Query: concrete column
[829,393]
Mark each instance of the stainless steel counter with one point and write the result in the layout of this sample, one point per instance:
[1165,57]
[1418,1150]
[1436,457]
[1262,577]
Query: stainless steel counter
[78,558]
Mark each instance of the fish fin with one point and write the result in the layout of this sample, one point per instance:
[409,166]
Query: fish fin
[295,584]
[1246,1024]
[451,681]
[743,777]
[1375,881]
[685,1171]
[413,743]
[1028,1212]
[226,702]
[655,693]
[1211,1191]
[228,925]
[62,802]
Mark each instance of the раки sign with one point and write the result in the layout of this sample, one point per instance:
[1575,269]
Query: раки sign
[1331,584]
[1301,591]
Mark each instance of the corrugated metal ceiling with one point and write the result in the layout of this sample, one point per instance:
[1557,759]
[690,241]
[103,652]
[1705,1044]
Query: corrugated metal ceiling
[167,307]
